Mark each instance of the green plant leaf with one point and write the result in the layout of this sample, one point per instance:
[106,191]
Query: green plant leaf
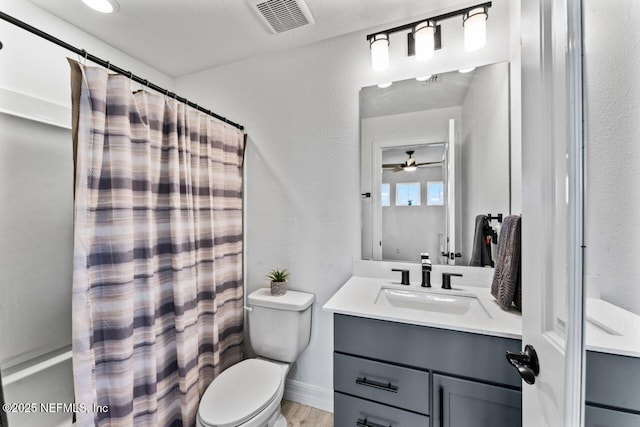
[277,275]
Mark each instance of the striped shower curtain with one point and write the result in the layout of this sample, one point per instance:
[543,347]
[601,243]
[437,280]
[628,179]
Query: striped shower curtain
[157,283]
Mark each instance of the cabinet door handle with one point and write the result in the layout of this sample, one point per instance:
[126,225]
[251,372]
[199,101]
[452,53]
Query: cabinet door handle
[375,384]
[367,423]
[441,405]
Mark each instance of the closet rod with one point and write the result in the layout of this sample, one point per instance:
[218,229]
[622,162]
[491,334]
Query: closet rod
[110,66]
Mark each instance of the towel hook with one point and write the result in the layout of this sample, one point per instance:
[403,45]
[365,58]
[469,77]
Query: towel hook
[498,217]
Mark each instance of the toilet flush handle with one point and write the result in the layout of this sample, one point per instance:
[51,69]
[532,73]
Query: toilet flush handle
[248,308]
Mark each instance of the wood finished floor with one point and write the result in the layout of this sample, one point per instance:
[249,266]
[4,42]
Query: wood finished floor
[301,415]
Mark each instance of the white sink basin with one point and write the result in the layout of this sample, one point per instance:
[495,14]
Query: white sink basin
[451,302]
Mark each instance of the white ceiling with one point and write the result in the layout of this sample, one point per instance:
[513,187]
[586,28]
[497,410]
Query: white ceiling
[180,37]
[406,96]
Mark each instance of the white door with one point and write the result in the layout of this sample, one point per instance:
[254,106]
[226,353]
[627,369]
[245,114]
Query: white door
[449,174]
[552,212]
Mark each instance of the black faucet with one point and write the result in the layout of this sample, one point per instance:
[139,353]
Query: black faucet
[405,275]
[426,270]
[446,279]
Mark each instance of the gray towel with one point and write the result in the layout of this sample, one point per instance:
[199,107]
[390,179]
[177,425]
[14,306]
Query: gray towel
[506,287]
[481,254]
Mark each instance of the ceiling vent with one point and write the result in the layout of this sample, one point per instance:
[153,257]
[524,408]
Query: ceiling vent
[283,15]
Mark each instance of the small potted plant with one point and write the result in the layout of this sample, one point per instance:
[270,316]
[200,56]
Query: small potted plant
[278,281]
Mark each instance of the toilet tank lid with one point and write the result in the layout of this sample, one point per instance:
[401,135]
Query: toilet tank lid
[292,300]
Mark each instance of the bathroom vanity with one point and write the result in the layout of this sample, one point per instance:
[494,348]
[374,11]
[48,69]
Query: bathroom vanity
[410,356]
[612,390]
[407,375]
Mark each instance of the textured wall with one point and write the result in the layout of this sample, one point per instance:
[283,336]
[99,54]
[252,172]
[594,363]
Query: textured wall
[36,173]
[613,152]
[300,107]
[36,214]
[398,129]
[410,230]
[36,67]
[485,152]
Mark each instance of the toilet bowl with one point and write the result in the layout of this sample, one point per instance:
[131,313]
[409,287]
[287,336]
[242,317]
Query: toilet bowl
[249,393]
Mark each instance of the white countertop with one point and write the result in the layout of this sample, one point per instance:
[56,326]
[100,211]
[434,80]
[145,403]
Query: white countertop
[609,329]
[358,295]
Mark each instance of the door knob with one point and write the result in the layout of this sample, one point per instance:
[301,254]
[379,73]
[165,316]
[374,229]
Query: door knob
[526,362]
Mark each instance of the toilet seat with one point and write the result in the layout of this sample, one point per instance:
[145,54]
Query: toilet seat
[239,393]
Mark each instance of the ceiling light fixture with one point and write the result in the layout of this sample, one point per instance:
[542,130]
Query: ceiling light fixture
[474,22]
[466,70]
[424,36]
[103,6]
[379,44]
[384,85]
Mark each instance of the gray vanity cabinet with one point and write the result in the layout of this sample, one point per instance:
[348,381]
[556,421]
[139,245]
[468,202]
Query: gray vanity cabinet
[602,417]
[350,411]
[395,374]
[612,390]
[459,402]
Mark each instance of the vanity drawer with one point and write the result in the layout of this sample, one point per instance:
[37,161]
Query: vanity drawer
[601,417]
[461,353]
[394,385]
[353,412]
[613,380]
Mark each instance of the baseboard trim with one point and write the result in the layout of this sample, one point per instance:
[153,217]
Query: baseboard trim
[309,394]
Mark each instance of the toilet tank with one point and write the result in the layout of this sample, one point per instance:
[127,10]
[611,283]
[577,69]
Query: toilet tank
[279,326]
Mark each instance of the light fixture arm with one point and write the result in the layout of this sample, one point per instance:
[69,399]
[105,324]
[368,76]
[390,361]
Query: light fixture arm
[438,18]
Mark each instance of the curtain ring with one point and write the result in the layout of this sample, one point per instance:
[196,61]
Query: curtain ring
[108,66]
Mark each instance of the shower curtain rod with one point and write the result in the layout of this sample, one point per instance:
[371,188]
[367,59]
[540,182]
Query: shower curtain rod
[110,66]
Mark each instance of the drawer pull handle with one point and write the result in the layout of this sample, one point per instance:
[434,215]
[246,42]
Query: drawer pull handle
[367,423]
[441,405]
[375,384]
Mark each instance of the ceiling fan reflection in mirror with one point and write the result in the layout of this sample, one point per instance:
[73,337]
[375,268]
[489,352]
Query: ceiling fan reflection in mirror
[409,165]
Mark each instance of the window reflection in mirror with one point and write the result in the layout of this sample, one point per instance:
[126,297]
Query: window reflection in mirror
[408,124]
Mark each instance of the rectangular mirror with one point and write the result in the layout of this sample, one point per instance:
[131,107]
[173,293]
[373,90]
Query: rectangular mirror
[435,166]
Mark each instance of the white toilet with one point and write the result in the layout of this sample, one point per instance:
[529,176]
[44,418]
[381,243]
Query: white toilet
[248,394]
